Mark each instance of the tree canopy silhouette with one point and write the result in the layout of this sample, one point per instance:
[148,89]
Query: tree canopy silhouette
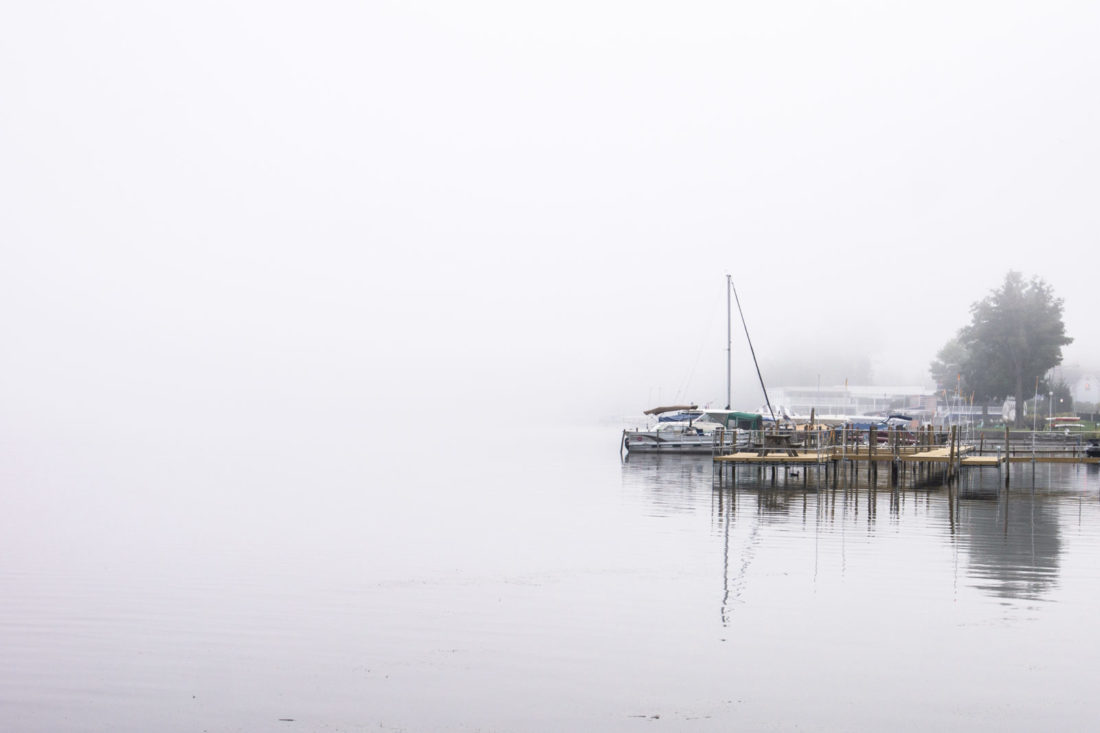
[1015,335]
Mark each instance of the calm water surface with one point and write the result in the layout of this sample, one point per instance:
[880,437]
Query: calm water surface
[330,582]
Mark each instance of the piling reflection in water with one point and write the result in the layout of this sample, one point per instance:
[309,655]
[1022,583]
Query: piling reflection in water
[1007,541]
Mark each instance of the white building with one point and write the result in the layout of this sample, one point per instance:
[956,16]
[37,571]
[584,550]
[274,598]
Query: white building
[917,401]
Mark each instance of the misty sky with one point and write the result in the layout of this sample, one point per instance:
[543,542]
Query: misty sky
[335,211]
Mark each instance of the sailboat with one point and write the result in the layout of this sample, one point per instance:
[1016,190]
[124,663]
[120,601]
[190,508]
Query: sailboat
[686,428]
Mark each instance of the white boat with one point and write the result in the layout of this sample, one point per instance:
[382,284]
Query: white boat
[687,429]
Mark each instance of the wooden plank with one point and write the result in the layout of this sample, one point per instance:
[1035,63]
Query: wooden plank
[981,461]
[778,458]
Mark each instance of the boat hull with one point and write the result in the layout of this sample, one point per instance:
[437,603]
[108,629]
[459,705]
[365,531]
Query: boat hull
[640,441]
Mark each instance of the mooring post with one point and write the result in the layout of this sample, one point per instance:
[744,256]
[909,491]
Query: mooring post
[956,466]
[872,444]
[894,465]
[950,456]
[1032,459]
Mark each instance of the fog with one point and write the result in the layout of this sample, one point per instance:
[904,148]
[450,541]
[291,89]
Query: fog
[233,216]
[319,321]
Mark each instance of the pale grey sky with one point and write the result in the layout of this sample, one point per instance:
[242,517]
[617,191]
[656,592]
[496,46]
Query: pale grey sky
[227,211]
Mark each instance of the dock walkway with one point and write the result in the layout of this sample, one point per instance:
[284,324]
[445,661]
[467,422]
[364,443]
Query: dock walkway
[931,460]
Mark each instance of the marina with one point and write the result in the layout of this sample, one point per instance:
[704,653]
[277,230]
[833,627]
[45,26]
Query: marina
[906,447]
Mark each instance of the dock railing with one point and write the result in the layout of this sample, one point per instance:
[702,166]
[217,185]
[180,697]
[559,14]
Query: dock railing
[843,443]
[727,442]
[1041,445]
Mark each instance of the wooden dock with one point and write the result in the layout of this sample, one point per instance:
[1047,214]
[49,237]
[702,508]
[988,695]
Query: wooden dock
[928,462]
[942,455]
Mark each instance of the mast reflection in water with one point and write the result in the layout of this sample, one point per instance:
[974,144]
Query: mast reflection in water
[1004,542]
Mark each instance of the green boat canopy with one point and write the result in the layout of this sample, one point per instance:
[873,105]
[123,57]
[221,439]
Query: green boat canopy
[731,419]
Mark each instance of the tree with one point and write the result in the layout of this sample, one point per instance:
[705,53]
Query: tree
[948,367]
[1015,335]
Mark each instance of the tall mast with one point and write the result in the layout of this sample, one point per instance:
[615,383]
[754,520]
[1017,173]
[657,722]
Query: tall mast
[729,344]
[753,352]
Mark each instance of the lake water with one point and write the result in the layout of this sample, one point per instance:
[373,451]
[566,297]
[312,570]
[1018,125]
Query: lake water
[328,582]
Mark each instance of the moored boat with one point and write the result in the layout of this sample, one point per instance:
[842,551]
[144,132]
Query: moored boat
[686,428]
[682,429]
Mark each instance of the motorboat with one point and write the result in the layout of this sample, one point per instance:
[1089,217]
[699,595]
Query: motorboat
[687,429]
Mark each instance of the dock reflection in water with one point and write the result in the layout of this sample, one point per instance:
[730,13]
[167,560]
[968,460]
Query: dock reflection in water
[947,607]
[1004,542]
